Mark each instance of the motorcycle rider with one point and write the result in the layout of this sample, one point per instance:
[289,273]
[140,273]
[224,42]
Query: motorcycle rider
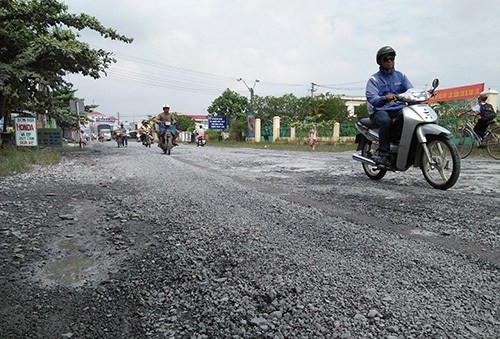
[200,135]
[161,119]
[383,107]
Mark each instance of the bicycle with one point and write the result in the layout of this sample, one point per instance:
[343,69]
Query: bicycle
[466,139]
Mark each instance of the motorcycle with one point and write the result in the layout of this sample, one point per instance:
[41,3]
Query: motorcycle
[166,141]
[200,141]
[423,143]
[147,139]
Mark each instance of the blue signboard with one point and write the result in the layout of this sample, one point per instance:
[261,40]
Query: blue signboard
[217,122]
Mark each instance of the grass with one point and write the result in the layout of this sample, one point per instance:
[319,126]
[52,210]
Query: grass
[285,146]
[15,160]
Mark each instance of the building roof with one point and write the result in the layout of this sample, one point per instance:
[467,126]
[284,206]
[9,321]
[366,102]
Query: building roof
[95,114]
[197,116]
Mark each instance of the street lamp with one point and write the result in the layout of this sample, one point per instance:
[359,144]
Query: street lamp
[250,89]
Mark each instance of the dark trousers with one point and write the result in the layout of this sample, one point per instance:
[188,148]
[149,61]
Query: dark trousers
[389,125]
[481,126]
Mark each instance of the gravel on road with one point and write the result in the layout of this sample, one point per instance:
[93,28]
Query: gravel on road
[214,242]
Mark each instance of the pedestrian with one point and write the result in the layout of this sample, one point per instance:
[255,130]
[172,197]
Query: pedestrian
[313,138]
[125,135]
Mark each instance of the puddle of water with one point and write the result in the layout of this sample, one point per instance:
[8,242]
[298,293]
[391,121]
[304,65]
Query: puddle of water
[71,270]
[423,233]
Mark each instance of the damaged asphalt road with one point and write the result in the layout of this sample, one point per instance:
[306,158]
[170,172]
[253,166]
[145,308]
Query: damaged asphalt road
[243,243]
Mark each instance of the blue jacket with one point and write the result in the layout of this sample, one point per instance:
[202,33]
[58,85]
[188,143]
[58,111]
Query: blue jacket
[382,83]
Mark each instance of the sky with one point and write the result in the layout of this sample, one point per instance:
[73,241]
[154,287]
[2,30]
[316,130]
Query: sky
[186,53]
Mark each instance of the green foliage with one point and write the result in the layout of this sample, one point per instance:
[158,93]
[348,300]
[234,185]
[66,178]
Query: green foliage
[230,104]
[288,107]
[40,46]
[361,111]
[234,106]
[185,123]
[18,160]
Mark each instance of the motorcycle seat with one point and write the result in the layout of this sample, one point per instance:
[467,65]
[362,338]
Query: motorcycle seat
[367,123]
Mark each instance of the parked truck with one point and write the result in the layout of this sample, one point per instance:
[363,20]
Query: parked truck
[105,129]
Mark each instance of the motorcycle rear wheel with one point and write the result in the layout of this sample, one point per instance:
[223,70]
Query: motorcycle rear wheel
[373,172]
[444,170]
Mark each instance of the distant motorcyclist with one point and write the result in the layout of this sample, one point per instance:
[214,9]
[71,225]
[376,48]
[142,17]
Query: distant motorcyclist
[381,91]
[161,119]
[200,132]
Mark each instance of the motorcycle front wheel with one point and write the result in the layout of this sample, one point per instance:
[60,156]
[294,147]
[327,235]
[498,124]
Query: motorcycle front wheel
[373,172]
[169,145]
[443,169]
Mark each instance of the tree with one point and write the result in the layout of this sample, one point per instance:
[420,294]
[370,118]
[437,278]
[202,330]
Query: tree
[184,123]
[332,108]
[234,106]
[230,104]
[39,47]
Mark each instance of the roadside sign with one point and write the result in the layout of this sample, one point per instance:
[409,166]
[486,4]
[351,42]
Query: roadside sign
[77,106]
[49,137]
[251,124]
[25,132]
[218,122]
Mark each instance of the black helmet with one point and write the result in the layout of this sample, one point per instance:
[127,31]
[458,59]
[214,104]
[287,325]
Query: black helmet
[386,50]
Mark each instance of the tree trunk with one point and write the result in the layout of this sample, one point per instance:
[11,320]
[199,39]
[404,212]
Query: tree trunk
[3,112]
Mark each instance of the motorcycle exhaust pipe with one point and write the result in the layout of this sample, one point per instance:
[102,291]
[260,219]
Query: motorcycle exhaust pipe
[364,160]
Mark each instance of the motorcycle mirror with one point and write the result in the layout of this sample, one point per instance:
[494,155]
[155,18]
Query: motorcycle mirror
[435,83]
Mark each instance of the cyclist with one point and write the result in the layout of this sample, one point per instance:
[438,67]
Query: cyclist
[483,110]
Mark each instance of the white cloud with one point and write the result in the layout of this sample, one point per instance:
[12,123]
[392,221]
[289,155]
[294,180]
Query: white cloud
[287,42]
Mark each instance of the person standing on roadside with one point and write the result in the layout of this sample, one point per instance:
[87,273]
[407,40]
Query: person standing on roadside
[125,135]
[383,107]
[313,138]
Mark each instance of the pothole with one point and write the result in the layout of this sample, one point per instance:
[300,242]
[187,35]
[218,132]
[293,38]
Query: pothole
[72,270]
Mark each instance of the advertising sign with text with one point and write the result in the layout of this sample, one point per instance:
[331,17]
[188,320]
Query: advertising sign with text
[251,125]
[457,93]
[25,132]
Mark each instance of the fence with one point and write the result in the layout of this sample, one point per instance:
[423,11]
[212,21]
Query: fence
[347,130]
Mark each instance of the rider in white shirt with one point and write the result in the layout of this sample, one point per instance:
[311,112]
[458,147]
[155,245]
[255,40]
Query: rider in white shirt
[200,132]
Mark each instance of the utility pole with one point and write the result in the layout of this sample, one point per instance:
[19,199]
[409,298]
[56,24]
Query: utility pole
[313,89]
[250,89]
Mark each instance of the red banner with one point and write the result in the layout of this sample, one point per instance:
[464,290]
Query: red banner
[457,93]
